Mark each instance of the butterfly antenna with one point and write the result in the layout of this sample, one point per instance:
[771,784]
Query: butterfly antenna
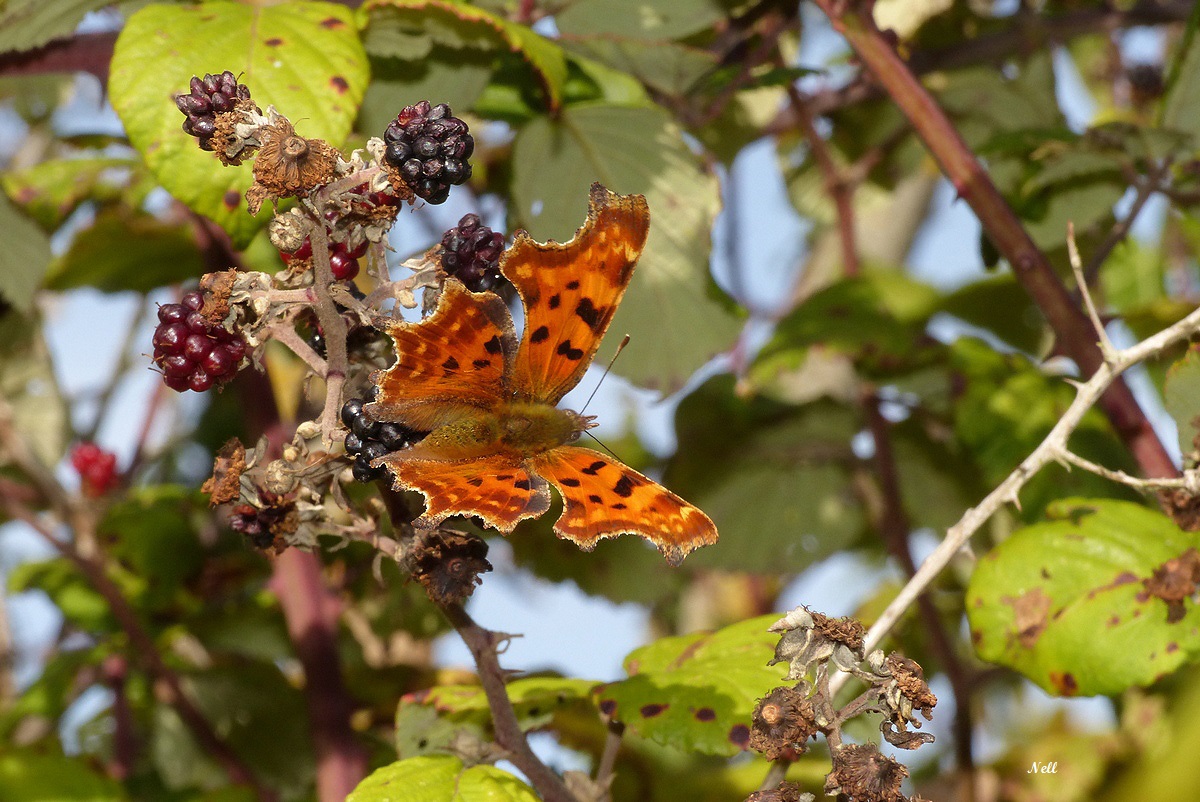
[620,348]
[606,448]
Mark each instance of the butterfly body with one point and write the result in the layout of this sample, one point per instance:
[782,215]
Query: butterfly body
[497,439]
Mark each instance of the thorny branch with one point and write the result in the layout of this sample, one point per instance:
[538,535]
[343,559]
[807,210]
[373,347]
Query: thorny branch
[1052,449]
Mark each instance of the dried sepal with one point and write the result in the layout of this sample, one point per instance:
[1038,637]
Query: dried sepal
[810,637]
[230,142]
[288,164]
[784,792]
[225,483]
[906,692]
[268,527]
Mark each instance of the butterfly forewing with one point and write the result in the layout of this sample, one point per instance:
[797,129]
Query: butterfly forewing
[571,291]
[604,498]
[454,358]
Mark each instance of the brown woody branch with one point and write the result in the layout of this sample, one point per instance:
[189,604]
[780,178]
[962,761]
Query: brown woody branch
[85,52]
[1029,264]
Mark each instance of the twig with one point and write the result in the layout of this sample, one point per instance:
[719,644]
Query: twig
[1029,264]
[284,334]
[776,774]
[1050,449]
[1152,184]
[509,736]
[1190,480]
[608,758]
[311,614]
[337,361]
[1105,344]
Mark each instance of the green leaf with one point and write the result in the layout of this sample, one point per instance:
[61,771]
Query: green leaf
[51,190]
[457,24]
[454,77]
[259,714]
[877,318]
[674,323]
[440,778]
[535,699]
[750,491]
[1181,396]
[150,254]
[24,257]
[1066,603]
[26,24]
[305,58]
[29,776]
[1134,276]
[1000,305]
[28,383]
[154,534]
[1181,105]
[696,692]
[667,67]
[656,20]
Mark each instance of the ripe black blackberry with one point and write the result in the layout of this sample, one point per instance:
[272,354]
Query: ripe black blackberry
[193,353]
[471,253]
[430,148]
[209,96]
[369,439]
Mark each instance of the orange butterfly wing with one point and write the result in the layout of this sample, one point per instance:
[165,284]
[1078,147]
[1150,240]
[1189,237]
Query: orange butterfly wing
[605,498]
[449,363]
[571,291]
[496,488]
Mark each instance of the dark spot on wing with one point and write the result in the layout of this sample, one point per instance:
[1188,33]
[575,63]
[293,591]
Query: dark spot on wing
[569,482]
[572,285]
[538,336]
[492,346]
[620,505]
[450,364]
[475,481]
[594,498]
[594,468]
[565,349]
[624,487]
[480,364]
[522,484]
[589,314]
[554,301]
[504,477]
[626,269]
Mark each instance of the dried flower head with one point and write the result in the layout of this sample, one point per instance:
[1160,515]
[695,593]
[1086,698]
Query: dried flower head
[784,792]
[267,527]
[810,637]
[448,564]
[863,774]
[783,721]
[288,164]
[906,692]
[225,483]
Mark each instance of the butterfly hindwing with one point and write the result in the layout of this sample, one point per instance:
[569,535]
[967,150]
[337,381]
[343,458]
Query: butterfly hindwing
[495,488]
[453,359]
[571,291]
[604,498]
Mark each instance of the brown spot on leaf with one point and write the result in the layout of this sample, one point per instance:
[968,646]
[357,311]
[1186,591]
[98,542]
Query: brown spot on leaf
[332,23]
[1174,581]
[274,41]
[608,707]
[339,84]
[231,199]
[1172,647]
[705,714]
[739,736]
[1065,683]
[1029,615]
[652,710]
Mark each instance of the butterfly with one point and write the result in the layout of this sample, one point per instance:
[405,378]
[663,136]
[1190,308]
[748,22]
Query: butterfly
[497,439]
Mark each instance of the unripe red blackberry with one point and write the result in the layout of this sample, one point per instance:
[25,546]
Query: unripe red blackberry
[209,96]
[430,148]
[193,353]
[471,253]
[96,467]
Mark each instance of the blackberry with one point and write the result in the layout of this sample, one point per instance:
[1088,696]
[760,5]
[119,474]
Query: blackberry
[369,439]
[193,353]
[471,253]
[430,149]
[96,467]
[209,96]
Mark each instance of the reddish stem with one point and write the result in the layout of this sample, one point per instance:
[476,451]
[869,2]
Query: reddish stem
[1029,264]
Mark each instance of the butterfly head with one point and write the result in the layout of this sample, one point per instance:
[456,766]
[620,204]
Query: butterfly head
[580,423]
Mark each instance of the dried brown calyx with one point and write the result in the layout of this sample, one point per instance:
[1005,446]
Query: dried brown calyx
[448,564]
[863,774]
[225,483]
[288,164]
[904,694]
[783,721]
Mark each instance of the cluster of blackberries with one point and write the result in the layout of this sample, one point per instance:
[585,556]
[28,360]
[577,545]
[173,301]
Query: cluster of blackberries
[430,148]
[370,439]
[471,253]
[97,469]
[193,353]
[210,96]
